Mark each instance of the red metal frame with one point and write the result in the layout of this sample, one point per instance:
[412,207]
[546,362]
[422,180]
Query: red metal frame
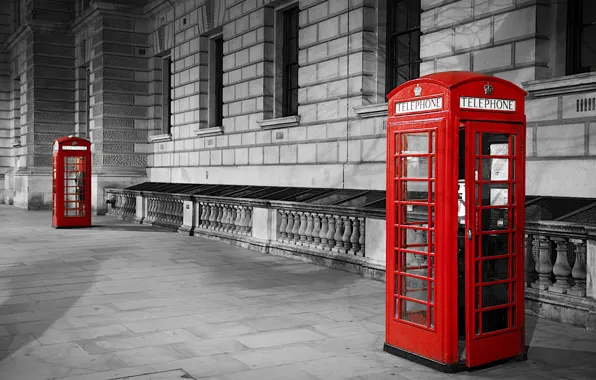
[428,328]
[71,182]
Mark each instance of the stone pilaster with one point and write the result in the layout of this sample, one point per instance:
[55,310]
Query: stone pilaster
[5,104]
[120,87]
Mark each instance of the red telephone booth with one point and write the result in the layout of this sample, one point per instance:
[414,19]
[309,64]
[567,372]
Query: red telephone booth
[455,220]
[71,181]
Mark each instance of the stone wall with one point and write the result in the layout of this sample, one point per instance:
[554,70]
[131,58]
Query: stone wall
[330,146]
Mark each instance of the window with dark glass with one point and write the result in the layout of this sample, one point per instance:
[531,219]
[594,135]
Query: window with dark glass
[166,93]
[16,14]
[403,42]
[581,37]
[216,82]
[290,62]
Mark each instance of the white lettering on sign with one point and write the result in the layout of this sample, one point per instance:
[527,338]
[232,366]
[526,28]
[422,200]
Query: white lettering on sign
[429,104]
[71,147]
[487,104]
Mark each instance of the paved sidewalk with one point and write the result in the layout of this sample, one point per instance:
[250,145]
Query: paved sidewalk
[121,299]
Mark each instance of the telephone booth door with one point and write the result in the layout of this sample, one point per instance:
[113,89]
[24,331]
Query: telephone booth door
[495,165]
[71,174]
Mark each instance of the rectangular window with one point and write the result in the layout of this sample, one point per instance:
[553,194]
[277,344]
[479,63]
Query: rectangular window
[581,37]
[16,14]
[166,93]
[290,62]
[403,42]
[216,81]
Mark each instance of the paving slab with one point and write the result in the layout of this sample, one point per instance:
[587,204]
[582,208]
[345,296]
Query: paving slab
[127,301]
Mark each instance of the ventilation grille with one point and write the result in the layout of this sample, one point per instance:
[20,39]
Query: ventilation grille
[585,105]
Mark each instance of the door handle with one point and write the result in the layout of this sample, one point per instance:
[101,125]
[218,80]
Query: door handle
[469,234]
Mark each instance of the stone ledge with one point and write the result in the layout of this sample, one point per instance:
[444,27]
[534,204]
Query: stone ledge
[578,311]
[213,131]
[372,110]
[280,122]
[562,85]
[161,138]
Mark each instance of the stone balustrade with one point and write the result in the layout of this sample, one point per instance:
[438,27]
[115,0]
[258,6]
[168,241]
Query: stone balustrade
[556,257]
[164,210]
[318,230]
[224,217]
[123,204]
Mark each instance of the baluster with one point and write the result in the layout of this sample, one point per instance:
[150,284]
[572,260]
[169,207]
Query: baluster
[212,216]
[158,206]
[361,239]
[290,227]
[355,236]
[249,221]
[324,230]
[561,269]
[201,221]
[242,220]
[347,245]
[579,272]
[543,264]
[218,217]
[238,212]
[302,229]
[296,228]
[308,232]
[530,265]
[154,208]
[180,212]
[316,230]
[225,220]
[168,210]
[232,219]
[331,232]
[284,223]
[339,232]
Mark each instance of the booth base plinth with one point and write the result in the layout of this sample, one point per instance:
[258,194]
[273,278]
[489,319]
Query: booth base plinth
[446,368]
[89,226]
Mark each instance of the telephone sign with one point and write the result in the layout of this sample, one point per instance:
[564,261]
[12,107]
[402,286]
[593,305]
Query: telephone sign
[455,220]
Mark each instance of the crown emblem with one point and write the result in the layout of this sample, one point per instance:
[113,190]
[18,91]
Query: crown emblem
[74,143]
[417,90]
[488,88]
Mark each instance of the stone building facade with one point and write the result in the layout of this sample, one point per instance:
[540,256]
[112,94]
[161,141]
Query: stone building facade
[275,92]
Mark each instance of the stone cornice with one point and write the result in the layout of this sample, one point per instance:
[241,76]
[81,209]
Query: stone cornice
[84,20]
[16,37]
[562,85]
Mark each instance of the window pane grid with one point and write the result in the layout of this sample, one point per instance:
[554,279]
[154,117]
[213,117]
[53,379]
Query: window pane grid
[403,42]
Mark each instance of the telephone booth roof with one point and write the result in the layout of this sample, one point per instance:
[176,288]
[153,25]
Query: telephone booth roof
[453,79]
[64,139]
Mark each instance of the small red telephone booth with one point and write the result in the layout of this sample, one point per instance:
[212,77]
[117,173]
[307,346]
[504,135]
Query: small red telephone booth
[455,220]
[71,180]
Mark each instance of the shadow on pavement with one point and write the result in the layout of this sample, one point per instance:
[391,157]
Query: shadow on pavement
[40,294]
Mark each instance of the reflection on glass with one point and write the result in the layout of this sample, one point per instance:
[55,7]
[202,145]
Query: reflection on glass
[494,320]
[495,169]
[417,167]
[418,191]
[495,244]
[493,270]
[413,214]
[414,288]
[415,142]
[414,240]
[414,264]
[414,312]
[495,295]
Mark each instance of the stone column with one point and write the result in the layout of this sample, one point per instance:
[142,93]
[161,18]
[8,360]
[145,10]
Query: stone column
[120,88]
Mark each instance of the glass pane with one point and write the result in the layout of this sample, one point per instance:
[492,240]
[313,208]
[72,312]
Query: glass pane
[495,169]
[495,219]
[495,295]
[494,320]
[418,191]
[414,312]
[431,271]
[414,214]
[415,240]
[493,270]
[403,49]
[513,317]
[432,316]
[495,245]
[588,47]
[416,167]
[494,194]
[414,288]
[414,264]
[415,143]
[495,142]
